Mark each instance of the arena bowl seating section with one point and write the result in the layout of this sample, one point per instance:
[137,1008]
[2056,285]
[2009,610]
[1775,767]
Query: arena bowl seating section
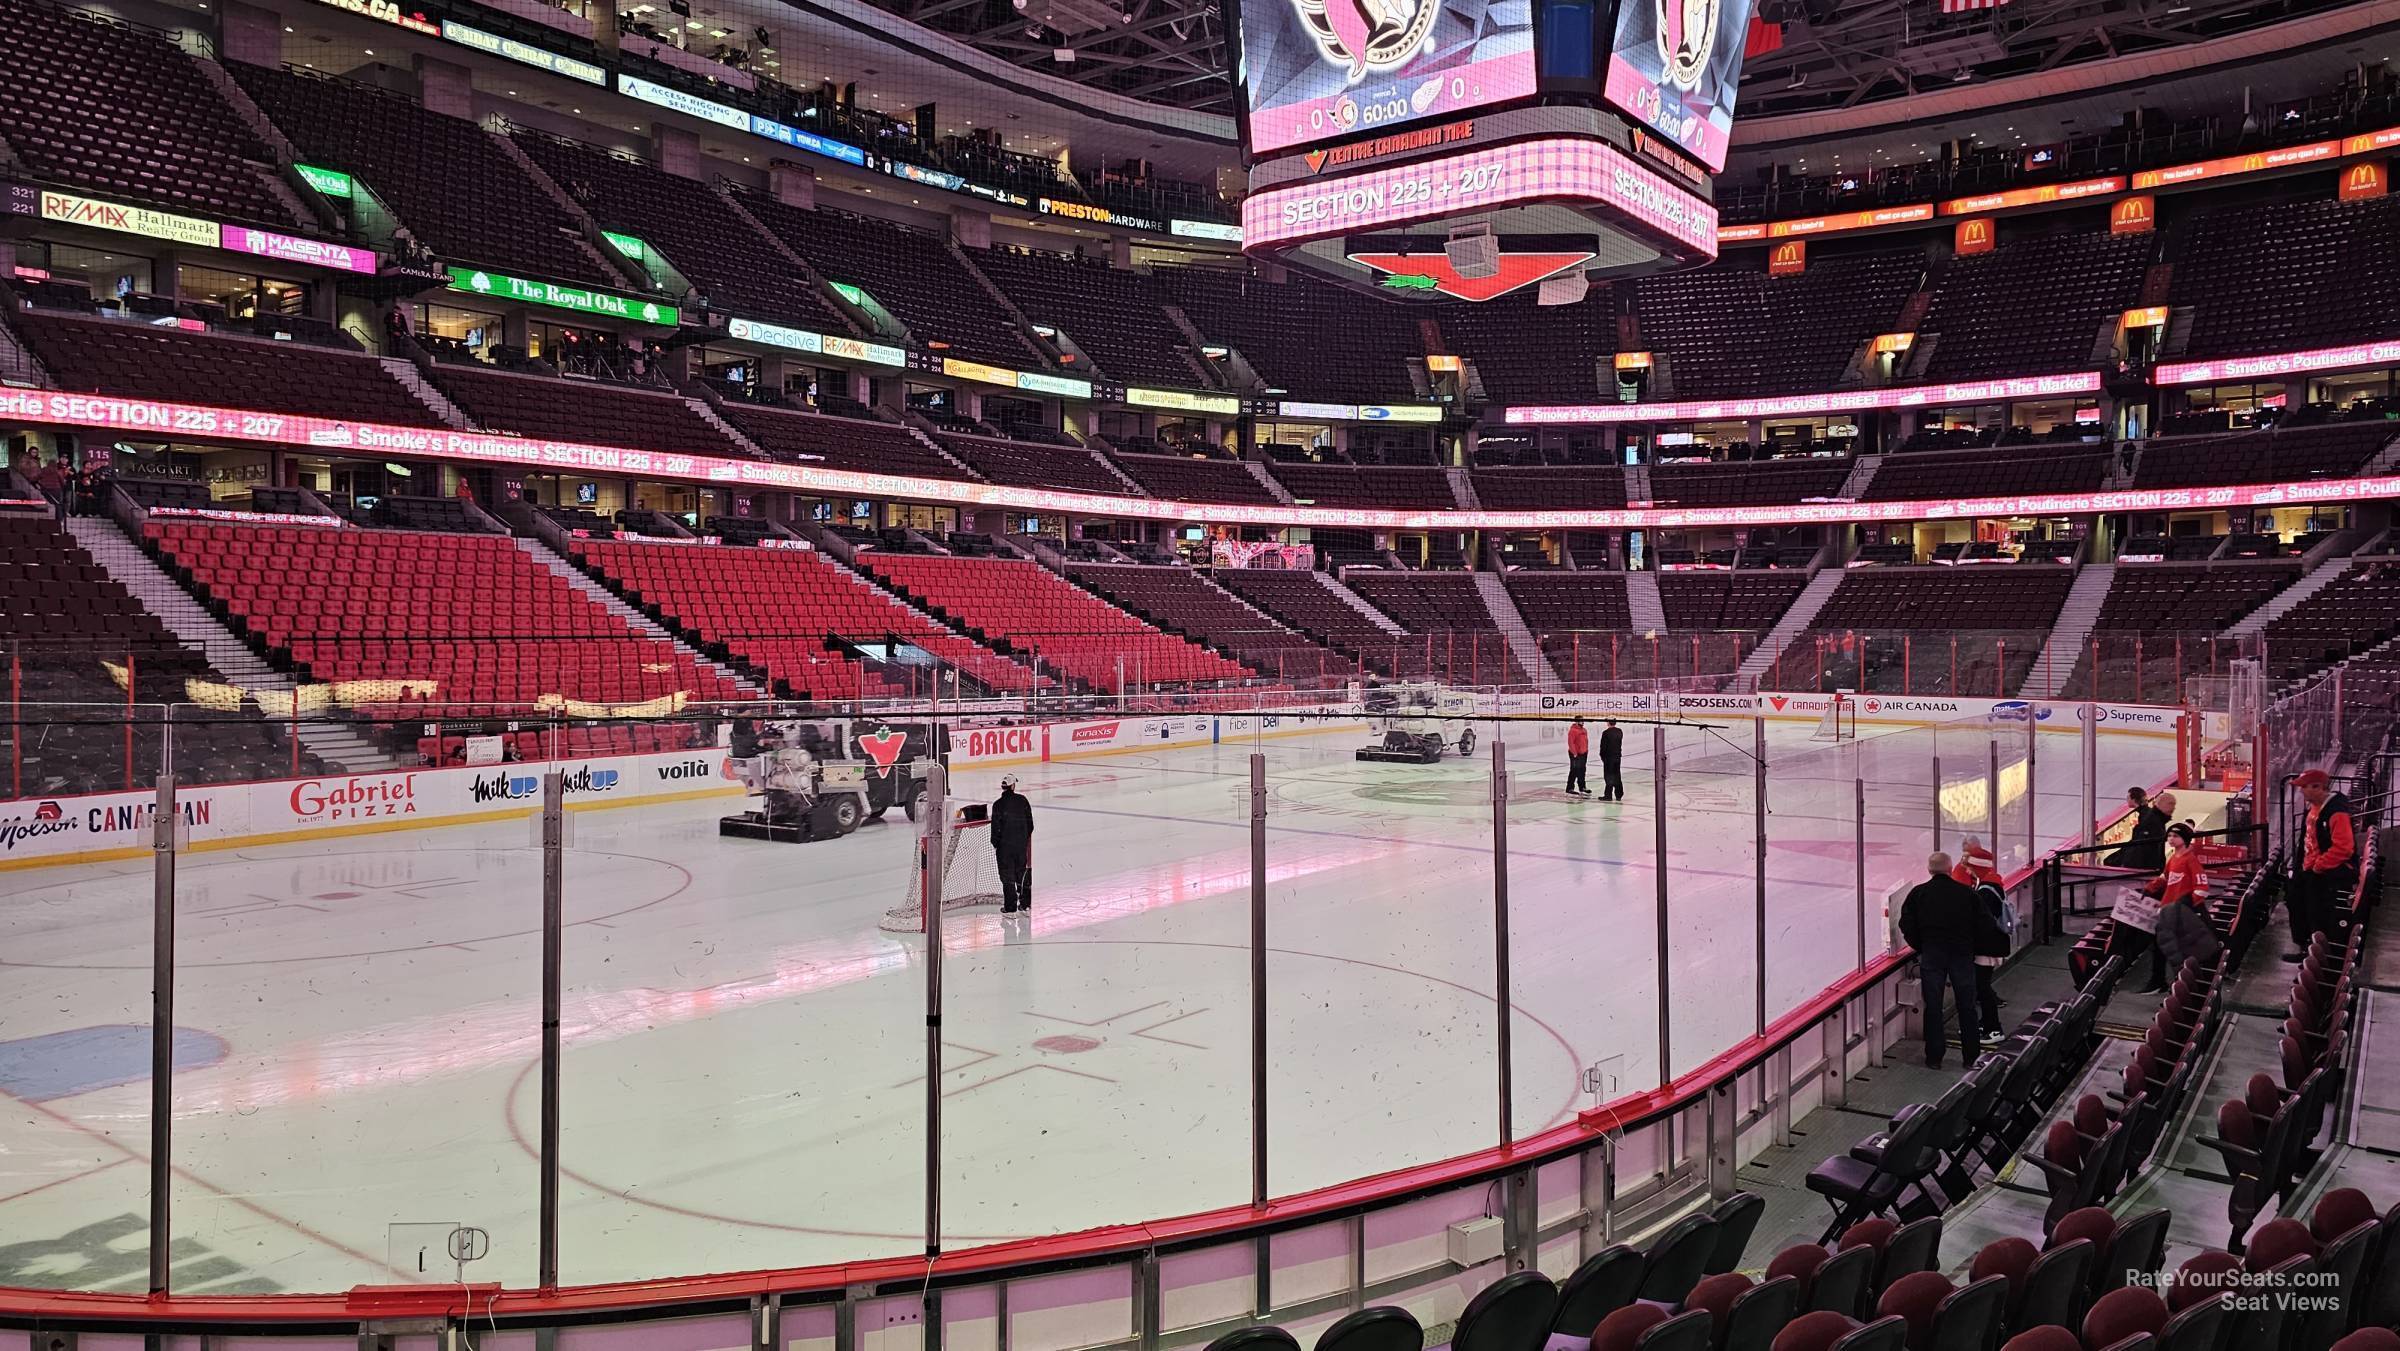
[1183,601]
[2032,306]
[1596,488]
[1065,628]
[122,112]
[721,253]
[913,275]
[1033,464]
[2285,455]
[415,160]
[840,442]
[2286,276]
[1984,628]
[582,410]
[1746,483]
[1308,603]
[1452,636]
[1116,318]
[2355,612]
[106,356]
[781,613]
[1574,616]
[1376,485]
[2157,627]
[1188,478]
[493,627]
[63,622]
[1922,476]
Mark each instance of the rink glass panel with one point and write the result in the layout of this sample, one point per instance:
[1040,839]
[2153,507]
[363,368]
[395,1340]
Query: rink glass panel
[76,940]
[1096,1057]
[1380,972]
[1711,866]
[1583,928]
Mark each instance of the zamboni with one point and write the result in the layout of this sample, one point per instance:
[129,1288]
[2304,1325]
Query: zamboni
[1414,724]
[805,799]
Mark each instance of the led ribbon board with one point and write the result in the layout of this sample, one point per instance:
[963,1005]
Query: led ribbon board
[1549,168]
[151,420]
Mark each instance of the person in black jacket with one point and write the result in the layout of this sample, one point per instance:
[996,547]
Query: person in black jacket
[1942,919]
[1612,762]
[2147,850]
[1012,846]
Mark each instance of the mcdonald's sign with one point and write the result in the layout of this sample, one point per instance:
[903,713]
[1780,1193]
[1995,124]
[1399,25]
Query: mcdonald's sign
[1789,259]
[2367,178]
[1975,235]
[2133,215]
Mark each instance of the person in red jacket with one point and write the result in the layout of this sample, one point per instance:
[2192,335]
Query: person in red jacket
[1979,869]
[2182,881]
[1976,864]
[1579,753]
[2328,861]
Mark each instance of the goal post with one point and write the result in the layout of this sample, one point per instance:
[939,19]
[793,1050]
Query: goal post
[968,876]
[1840,722]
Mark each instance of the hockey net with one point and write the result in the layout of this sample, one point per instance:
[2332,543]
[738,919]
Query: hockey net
[1840,722]
[968,877]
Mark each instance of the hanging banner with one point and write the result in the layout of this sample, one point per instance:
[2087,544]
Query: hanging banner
[1788,259]
[2367,178]
[1975,236]
[2136,215]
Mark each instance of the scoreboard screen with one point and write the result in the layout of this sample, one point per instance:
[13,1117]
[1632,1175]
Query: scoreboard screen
[1675,67]
[1318,70]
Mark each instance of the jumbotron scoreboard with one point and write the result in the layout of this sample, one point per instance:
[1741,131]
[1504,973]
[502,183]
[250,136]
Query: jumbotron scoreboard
[1462,149]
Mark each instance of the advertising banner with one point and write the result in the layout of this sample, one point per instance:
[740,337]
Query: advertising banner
[1317,69]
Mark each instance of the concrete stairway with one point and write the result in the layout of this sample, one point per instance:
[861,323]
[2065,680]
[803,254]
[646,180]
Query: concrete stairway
[616,605]
[1258,470]
[2327,571]
[1462,488]
[406,372]
[1637,483]
[2069,633]
[1359,603]
[1795,622]
[1862,473]
[196,628]
[1504,612]
[1642,601]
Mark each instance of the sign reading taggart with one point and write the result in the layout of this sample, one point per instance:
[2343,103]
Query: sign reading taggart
[501,286]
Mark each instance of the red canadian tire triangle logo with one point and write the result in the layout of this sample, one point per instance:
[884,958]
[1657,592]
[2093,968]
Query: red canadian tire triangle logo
[883,746]
[1515,270]
[1316,160]
[1778,700]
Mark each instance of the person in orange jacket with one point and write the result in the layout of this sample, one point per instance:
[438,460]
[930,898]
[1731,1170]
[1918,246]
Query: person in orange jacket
[1579,754]
[2183,930]
[2328,861]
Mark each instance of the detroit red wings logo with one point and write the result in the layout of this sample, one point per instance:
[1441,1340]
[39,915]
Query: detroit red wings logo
[883,746]
[1365,35]
[1687,38]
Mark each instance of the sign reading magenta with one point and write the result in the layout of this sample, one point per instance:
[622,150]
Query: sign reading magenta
[500,286]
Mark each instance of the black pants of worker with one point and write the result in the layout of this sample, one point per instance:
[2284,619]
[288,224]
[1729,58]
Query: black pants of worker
[1576,782]
[1016,879]
[2316,903]
[1612,779]
[1957,975]
[1987,1002]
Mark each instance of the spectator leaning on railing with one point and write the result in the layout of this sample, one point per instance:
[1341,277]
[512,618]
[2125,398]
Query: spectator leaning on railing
[2328,861]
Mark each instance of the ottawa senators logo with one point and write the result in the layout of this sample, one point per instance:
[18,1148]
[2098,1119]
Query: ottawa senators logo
[1687,38]
[1366,35]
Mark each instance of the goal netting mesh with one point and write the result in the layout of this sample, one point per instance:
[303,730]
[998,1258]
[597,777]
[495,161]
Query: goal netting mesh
[1840,722]
[968,877]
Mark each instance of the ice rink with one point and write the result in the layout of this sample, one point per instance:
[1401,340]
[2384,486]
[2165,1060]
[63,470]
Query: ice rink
[743,1077]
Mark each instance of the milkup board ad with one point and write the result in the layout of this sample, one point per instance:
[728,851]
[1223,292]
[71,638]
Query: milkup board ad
[1676,66]
[1312,70]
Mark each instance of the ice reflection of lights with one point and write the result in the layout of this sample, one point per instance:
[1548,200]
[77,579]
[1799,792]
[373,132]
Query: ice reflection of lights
[454,1043]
